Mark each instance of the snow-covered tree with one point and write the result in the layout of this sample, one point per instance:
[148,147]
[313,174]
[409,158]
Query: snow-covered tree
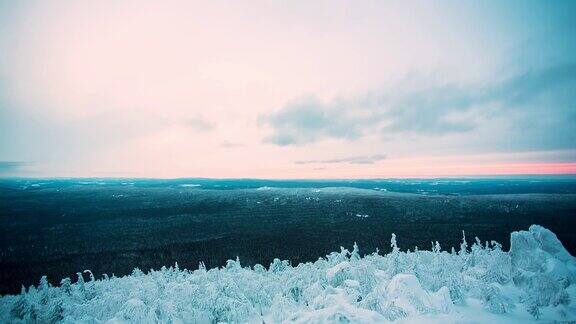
[538,275]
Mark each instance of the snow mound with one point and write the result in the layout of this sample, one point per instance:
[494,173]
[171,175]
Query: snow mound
[405,292]
[536,280]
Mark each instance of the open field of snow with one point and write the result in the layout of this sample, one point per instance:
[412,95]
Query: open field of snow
[477,283]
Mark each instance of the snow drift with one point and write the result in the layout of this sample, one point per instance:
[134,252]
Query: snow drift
[477,283]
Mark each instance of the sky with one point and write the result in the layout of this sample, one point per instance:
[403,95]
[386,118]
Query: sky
[287,89]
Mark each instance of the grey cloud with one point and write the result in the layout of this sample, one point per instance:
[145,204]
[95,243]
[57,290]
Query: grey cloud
[528,85]
[309,120]
[200,125]
[425,111]
[367,159]
[435,109]
[10,167]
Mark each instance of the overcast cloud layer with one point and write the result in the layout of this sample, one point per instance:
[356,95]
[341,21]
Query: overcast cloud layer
[298,89]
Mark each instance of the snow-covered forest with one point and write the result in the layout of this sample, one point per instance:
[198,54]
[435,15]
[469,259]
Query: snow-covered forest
[477,281]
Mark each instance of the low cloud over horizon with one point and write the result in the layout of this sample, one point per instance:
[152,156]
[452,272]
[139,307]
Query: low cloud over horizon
[12,167]
[299,89]
[370,159]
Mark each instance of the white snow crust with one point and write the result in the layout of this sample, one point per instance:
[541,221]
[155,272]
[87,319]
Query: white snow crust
[479,283]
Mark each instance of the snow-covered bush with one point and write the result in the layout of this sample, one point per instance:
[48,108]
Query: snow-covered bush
[535,280]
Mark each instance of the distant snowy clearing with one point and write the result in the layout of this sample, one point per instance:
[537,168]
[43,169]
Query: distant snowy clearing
[536,280]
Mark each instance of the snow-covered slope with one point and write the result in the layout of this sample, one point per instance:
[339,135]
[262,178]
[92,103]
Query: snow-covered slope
[478,283]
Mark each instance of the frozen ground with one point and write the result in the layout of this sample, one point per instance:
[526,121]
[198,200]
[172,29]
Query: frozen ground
[536,280]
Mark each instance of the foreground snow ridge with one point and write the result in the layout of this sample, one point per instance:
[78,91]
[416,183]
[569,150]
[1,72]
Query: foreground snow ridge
[479,283]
